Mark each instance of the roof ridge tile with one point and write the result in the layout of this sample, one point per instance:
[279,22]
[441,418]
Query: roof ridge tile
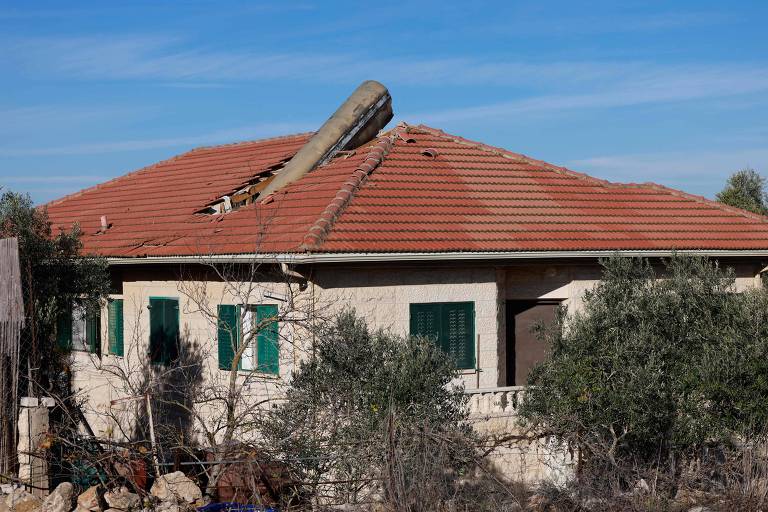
[321,228]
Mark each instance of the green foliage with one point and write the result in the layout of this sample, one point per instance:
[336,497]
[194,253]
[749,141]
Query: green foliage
[54,276]
[652,368]
[745,189]
[357,390]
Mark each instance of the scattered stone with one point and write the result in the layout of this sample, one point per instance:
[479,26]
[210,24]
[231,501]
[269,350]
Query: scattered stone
[167,506]
[700,509]
[21,501]
[89,500]
[60,500]
[176,488]
[122,499]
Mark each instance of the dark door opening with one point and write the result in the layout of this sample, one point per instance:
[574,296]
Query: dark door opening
[524,349]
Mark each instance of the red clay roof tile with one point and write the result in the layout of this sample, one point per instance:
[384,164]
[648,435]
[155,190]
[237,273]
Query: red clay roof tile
[469,197]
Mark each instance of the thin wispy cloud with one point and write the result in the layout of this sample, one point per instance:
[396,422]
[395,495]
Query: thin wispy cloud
[169,60]
[215,137]
[37,117]
[697,171]
[656,86]
[40,177]
[623,23]
[559,86]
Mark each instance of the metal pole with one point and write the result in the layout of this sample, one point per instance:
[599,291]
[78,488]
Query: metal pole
[152,436]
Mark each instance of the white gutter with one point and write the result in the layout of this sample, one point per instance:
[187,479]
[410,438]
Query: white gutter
[423,256]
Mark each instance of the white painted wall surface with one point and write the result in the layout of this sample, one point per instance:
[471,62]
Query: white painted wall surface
[381,293]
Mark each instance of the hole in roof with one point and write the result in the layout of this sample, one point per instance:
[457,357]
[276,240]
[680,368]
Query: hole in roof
[245,194]
[430,152]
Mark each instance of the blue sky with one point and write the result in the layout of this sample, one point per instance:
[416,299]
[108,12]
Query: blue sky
[670,92]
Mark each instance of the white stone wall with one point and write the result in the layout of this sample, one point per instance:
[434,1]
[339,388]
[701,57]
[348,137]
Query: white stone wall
[384,295]
[380,292]
[108,381]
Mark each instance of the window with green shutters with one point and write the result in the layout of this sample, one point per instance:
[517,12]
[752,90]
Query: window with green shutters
[163,330]
[93,332]
[449,324]
[267,346]
[64,330]
[228,334]
[264,356]
[115,321]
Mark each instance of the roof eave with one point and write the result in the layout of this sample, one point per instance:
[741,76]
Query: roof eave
[427,256]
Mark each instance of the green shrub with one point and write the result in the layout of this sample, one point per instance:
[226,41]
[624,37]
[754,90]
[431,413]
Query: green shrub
[656,366]
[358,401]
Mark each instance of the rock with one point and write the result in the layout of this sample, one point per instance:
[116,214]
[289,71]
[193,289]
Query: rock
[25,503]
[167,506]
[22,501]
[641,487]
[122,499]
[176,487]
[89,500]
[700,509]
[60,500]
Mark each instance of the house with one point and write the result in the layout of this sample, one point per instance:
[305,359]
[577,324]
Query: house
[424,232]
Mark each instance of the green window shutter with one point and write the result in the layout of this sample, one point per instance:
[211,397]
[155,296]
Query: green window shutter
[163,330]
[228,334]
[425,321]
[115,311]
[93,332]
[451,325]
[172,330]
[458,332]
[268,346]
[64,330]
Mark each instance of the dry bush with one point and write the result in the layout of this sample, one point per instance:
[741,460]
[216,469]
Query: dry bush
[430,469]
[721,478]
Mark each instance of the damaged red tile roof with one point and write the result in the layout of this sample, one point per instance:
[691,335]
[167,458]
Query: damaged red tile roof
[414,189]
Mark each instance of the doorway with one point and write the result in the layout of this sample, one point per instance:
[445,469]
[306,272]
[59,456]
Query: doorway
[524,349]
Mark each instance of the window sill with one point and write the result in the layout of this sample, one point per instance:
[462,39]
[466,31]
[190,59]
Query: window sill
[254,373]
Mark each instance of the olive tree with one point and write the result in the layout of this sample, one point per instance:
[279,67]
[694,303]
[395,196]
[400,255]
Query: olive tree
[358,401]
[54,275]
[656,366]
[745,189]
